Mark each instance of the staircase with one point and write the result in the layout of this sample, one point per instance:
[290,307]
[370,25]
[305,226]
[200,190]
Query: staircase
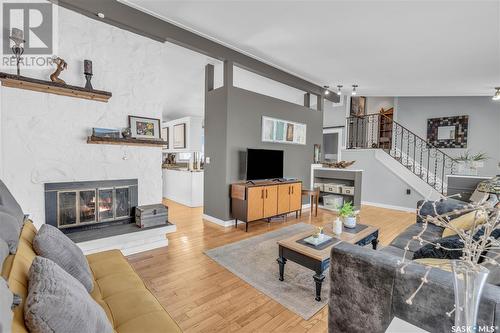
[423,159]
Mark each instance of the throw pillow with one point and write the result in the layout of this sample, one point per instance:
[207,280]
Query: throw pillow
[9,204]
[454,243]
[479,197]
[58,303]
[6,314]
[466,222]
[444,264]
[10,231]
[4,252]
[51,243]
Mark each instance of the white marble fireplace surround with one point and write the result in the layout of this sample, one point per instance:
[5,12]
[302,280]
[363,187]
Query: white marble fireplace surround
[43,136]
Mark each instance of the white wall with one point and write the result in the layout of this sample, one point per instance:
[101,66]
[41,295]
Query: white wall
[43,137]
[484,123]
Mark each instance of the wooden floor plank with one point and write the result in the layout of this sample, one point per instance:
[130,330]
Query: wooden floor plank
[203,296]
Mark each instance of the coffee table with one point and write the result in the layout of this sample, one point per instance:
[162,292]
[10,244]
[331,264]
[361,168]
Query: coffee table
[317,258]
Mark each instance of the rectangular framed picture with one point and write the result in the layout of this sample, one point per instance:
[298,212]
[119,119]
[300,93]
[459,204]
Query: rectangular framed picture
[283,131]
[179,136]
[144,128]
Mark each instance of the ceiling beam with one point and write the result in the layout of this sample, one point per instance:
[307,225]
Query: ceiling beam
[139,22]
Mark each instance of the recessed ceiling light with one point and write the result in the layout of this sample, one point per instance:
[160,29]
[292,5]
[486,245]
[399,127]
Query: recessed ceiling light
[339,89]
[326,90]
[496,97]
[100,15]
[354,92]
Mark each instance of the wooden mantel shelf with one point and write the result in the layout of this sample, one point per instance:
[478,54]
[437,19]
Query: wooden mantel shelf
[27,83]
[125,142]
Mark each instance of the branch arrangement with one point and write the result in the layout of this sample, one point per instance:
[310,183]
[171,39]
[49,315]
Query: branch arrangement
[475,244]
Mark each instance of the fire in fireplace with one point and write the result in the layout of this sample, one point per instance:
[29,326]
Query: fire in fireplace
[87,204]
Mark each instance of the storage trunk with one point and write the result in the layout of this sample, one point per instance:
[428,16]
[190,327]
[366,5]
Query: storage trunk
[151,215]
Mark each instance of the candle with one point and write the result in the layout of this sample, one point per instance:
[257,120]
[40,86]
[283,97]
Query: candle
[87,67]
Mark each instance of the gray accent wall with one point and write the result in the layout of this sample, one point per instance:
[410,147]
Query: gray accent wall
[484,123]
[232,128]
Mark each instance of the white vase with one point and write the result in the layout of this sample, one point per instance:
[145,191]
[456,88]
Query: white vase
[337,226]
[350,222]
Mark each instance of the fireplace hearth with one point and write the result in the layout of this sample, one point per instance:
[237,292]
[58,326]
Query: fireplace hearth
[76,206]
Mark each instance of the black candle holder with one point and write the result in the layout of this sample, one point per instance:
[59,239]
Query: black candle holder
[88,85]
[18,52]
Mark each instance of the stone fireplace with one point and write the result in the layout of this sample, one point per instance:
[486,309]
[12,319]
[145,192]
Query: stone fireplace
[76,206]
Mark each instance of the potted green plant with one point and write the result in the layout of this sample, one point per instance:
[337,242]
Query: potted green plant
[469,163]
[348,214]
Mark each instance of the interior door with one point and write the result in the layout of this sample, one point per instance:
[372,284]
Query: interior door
[270,201]
[284,192]
[296,197]
[255,203]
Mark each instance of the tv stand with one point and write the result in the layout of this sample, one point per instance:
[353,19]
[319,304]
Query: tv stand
[253,201]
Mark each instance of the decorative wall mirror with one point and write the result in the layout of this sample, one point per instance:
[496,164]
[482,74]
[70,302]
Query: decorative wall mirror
[448,132]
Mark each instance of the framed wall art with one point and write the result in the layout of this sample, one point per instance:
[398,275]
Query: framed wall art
[358,106]
[144,128]
[179,141]
[448,132]
[283,131]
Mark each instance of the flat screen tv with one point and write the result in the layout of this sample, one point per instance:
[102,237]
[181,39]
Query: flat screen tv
[264,164]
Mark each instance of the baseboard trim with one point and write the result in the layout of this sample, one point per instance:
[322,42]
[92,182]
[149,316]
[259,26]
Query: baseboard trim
[219,222]
[381,205]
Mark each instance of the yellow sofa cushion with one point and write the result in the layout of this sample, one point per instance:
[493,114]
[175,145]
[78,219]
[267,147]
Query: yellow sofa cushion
[466,222]
[129,305]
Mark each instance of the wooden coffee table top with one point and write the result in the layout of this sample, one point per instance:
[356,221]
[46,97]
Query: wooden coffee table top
[291,242]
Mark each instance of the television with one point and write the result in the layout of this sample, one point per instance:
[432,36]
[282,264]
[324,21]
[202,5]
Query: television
[264,164]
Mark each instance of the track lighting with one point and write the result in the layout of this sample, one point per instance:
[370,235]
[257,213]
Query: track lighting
[326,90]
[339,89]
[354,92]
[496,97]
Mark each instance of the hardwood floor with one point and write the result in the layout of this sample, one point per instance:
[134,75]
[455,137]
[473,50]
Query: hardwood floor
[202,296]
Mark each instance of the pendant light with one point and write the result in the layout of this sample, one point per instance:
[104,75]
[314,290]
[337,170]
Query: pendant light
[354,92]
[339,89]
[326,90]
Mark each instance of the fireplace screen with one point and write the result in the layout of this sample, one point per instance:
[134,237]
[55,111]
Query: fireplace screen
[92,206]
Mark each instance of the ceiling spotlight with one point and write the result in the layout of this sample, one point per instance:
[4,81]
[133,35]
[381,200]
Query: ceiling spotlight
[339,89]
[354,92]
[496,97]
[100,15]
[326,90]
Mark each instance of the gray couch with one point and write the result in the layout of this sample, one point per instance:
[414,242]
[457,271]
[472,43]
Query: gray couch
[368,290]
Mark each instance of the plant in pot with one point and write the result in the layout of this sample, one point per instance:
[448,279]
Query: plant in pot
[468,163]
[348,214]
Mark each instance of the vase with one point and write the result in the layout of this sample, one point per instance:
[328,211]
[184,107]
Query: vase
[468,280]
[350,222]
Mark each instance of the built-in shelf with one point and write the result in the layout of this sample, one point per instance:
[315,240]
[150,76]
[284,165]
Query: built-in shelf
[27,83]
[125,142]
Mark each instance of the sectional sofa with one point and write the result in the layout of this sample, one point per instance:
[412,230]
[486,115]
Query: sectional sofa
[368,288]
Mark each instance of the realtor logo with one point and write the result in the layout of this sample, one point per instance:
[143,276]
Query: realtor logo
[29,25]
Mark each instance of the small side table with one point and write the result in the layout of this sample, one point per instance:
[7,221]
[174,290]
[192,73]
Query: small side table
[314,195]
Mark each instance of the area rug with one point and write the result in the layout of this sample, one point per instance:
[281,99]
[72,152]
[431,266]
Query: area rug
[254,260]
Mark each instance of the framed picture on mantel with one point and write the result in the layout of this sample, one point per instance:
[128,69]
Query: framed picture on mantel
[180,136]
[144,128]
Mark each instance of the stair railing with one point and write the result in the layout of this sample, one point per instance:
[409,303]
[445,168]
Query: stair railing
[422,158]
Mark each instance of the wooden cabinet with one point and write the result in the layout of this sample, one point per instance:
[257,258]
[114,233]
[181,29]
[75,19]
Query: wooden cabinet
[270,201]
[296,197]
[252,202]
[255,207]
